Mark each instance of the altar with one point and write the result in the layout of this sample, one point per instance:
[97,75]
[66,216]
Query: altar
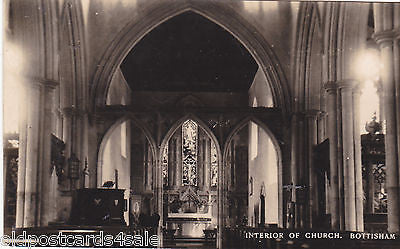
[190,214]
[189,225]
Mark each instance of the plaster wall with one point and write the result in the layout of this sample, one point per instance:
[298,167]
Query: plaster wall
[119,92]
[260,91]
[263,170]
[116,156]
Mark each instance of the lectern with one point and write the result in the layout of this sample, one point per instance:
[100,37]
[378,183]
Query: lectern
[98,207]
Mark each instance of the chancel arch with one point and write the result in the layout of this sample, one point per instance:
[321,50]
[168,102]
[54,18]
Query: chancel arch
[225,17]
[159,98]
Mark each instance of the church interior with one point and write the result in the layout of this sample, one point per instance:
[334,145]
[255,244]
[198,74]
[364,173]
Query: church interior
[200,120]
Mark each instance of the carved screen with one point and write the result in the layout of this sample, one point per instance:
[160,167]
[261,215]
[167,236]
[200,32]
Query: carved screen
[214,165]
[189,153]
[380,194]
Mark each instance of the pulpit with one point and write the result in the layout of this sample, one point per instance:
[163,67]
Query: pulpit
[98,207]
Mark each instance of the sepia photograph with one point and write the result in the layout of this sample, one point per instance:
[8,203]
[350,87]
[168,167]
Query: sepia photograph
[201,124]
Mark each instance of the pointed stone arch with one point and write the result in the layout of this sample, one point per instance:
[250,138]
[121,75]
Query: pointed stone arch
[219,13]
[309,35]
[201,124]
[103,141]
[217,143]
[279,148]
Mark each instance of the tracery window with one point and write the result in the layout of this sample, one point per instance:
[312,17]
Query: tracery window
[189,152]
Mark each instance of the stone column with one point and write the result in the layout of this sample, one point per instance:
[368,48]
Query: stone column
[150,166]
[67,137]
[222,201]
[311,116]
[294,165]
[379,92]
[302,169]
[32,148]
[46,125]
[388,41]
[346,89]
[23,133]
[299,167]
[171,162]
[357,160]
[147,162]
[331,98]
[33,204]
[232,173]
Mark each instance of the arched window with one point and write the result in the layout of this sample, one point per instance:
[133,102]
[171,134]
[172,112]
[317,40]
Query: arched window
[191,159]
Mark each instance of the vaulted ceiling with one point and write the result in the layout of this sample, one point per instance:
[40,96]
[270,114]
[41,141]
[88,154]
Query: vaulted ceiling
[189,53]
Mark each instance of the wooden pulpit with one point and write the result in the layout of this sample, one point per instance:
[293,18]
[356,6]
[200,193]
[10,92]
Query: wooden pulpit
[98,207]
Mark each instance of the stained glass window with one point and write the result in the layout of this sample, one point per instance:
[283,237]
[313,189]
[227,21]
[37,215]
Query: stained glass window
[214,165]
[165,166]
[189,152]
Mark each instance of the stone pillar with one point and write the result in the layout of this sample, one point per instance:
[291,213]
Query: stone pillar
[222,201]
[232,173]
[34,187]
[299,167]
[302,169]
[357,161]
[23,133]
[148,167]
[32,148]
[379,92]
[387,38]
[331,98]
[171,162]
[311,116]
[67,137]
[346,89]
[47,94]
[294,165]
